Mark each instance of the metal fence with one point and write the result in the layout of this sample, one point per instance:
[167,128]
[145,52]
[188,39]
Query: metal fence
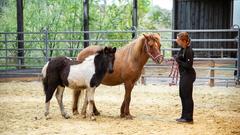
[39,47]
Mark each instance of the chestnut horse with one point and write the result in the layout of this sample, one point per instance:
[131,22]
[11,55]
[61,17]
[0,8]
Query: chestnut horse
[128,65]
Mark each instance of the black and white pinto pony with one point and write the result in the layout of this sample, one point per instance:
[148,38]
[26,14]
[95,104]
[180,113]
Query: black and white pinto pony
[61,72]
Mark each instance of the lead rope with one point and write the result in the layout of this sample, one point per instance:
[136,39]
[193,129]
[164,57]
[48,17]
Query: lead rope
[174,72]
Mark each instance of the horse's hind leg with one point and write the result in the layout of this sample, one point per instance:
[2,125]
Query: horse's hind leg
[76,95]
[95,111]
[90,97]
[59,96]
[49,90]
[85,103]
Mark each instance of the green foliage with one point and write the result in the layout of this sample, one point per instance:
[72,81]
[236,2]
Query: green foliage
[67,15]
[158,18]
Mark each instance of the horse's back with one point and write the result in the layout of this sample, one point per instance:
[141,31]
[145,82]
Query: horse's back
[81,74]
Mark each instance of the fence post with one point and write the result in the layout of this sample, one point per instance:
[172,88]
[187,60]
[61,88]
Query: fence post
[238,58]
[86,23]
[20,35]
[134,33]
[134,18]
[211,73]
[46,45]
[142,81]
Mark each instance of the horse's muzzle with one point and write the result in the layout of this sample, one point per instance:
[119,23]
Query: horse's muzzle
[110,71]
[158,59]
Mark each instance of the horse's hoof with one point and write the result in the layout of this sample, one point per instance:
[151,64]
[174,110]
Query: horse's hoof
[129,117]
[47,117]
[84,116]
[75,113]
[66,116]
[46,114]
[93,118]
[122,115]
[83,113]
[97,113]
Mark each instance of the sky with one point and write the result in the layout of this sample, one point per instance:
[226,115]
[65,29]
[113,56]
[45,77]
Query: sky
[166,4]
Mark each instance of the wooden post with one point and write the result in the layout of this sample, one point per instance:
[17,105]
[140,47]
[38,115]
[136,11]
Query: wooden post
[134,19]
[142,81]
[86,22]
[20,34]
[211,73]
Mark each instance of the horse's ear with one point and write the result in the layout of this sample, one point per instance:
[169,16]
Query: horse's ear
[105,50]
[145,36]
[114,49]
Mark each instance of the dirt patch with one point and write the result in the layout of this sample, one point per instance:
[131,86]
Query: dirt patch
[217,111]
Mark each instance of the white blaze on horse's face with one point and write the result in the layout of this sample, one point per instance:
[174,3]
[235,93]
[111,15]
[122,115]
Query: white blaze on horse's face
[153,47]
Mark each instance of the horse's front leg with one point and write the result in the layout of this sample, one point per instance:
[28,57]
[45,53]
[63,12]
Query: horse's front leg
[84,108]
[126,102]
[59,96]
[90,97]
[76,94]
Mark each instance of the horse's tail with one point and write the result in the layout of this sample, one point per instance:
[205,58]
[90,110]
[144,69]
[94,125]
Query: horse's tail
[45,78]
[48,88]
[51,75]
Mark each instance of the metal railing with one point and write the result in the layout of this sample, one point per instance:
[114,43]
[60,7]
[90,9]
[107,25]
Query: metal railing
[41,46]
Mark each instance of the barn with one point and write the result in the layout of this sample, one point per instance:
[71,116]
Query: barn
[207,14]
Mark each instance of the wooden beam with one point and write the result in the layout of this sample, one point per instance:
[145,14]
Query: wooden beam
[20,36]
[134,17]
[86,22]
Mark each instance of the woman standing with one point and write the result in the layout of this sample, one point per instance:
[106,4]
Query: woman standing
[187,77]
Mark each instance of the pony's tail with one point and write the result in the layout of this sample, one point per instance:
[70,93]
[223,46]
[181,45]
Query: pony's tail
[45,78]
[45,85]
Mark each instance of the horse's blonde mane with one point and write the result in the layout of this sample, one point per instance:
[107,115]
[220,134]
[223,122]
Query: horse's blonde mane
[136,44]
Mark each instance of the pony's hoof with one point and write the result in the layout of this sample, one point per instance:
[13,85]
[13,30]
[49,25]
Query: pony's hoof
[47,117]
[46,114]
[75,112]
[97,113]
[84,116]
[83,113]
[66,116]
[93,118]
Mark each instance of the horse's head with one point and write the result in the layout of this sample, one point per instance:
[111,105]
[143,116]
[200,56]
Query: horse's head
[153,47]
[110,57]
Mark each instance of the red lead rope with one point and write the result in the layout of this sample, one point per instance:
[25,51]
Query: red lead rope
[174,71]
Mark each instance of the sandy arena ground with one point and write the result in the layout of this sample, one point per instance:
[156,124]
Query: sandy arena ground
[217,111]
